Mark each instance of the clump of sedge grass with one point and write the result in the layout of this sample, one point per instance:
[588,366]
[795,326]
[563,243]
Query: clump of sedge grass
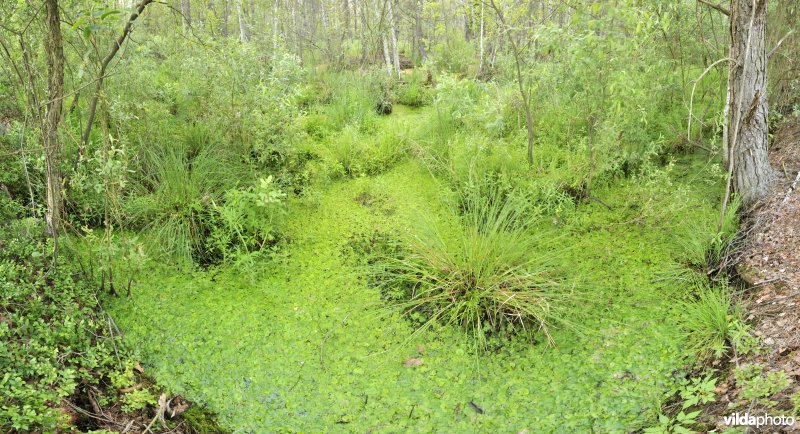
[711,319]
[488,275]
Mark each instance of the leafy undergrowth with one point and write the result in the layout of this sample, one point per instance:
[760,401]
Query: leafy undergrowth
[305,342]
[63,367]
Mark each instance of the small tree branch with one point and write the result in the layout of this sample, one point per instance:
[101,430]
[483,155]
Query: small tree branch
[717,8]
[115,46]
[778,45]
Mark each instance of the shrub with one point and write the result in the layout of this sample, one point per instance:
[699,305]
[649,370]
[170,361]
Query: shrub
[486,275]
[53,336]
[248,219]
[758,385]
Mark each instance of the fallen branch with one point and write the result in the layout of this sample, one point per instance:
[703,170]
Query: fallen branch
[601,202]
[791,189]
[778,45]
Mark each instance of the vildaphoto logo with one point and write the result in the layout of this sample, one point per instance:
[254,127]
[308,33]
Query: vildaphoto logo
[747,419]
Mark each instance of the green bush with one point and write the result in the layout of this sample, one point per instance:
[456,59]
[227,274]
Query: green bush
[248,219]
[53,336]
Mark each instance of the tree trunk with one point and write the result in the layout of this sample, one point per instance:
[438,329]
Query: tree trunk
[518,68]
[480,63]
[362,35]
[55,94]
[393,29]
[275,31]
[418,30]
[242,25]
[386,55]
[186,10]
[226,12]
[752,173]
[346,18]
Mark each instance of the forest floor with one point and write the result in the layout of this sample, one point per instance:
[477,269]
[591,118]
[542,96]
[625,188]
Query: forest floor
[303,342]
[770,265]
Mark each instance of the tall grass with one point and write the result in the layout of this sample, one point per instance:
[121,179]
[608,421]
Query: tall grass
[711,318]
[175,196]
[488,275]
[705,246]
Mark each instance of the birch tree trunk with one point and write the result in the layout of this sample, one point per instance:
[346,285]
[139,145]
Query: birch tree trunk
[752,173]
[480,63]
[393,29]
[242,25]
[275,30]
[386,56]
[55,93]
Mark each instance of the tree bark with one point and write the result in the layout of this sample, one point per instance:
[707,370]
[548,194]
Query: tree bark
[275,31]
[386,55]
[242,25]
[393,29]
[186,10]
[480,63]
[752,173]
[418,30]
[55,94]
[226,12]
[346,18]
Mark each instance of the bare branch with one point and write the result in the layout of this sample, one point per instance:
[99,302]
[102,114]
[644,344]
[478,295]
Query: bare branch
[717,8]
[115,46]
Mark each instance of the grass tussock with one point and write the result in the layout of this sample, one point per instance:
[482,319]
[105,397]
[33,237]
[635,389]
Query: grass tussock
[487,275]
[712,320]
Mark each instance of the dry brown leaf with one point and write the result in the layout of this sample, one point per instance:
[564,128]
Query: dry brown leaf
[413,362]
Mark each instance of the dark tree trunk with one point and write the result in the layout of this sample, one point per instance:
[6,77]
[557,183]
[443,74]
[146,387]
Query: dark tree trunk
[752,173]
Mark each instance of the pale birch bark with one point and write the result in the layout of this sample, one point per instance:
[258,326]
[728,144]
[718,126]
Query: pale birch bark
[386,56]
[393,29]
[242,25]
[275,30]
